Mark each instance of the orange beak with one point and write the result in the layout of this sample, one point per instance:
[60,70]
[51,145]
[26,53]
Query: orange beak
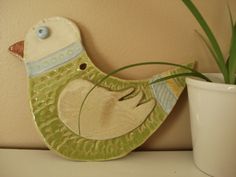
[17,49]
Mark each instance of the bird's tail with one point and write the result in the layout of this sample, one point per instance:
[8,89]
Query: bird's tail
[168,91]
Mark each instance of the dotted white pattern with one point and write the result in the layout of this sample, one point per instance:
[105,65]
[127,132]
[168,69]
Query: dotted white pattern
[56,59]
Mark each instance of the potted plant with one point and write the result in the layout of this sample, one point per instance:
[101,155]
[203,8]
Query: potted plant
[212,100]
[212,107]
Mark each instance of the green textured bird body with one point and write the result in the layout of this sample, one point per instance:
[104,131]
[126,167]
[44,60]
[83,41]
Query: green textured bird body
[44,92]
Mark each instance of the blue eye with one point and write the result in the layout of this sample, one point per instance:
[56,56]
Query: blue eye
[42,32]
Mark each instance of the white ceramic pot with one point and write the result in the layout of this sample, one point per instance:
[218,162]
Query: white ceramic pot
[213,125]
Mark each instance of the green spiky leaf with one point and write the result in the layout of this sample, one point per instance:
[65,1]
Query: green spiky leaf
[207,44]
[181,75]
[215,46]
[231,17]
[232,57]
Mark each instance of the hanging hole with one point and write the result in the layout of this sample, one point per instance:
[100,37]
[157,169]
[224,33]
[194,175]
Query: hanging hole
[83,66]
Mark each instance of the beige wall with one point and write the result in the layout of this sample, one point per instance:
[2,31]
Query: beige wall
[115,33]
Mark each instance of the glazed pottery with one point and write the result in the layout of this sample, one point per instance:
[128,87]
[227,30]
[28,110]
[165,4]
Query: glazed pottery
[213,125]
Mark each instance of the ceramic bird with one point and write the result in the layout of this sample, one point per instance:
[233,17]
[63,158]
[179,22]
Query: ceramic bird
[117,116]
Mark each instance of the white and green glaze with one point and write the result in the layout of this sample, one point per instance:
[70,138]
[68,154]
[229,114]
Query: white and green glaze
[49,75]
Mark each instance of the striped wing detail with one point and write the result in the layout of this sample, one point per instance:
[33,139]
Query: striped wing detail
[164,95]
[167,92]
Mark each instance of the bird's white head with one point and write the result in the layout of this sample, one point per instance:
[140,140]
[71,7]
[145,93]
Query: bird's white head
[50,42]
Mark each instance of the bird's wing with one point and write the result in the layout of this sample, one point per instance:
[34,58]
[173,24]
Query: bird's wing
[106,114]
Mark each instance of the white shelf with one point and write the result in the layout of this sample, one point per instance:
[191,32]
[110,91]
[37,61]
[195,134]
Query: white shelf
[43,163]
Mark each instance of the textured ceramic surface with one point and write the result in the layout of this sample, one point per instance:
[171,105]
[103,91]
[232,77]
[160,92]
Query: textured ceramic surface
[61,73]
[213,120]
